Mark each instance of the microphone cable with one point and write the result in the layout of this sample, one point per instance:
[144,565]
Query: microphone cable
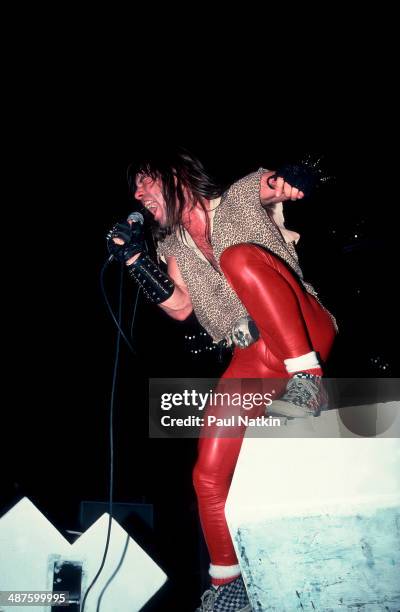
[120,334]
[118,324]
[134,310]
[111,421]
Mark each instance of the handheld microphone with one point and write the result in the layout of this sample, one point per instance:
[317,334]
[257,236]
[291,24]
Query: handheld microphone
[134,217]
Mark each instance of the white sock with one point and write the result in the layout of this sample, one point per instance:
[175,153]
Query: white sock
[304,362]
[224,571]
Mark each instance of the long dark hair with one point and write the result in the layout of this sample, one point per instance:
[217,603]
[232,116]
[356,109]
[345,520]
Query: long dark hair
[178,170]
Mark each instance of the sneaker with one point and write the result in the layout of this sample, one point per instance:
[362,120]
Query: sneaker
[231,597]
[305,395]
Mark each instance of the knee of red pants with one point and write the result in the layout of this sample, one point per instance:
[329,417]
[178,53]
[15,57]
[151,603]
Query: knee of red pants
[236,256]
[211,491]
[203,479]
[197,478]
[215,464]
[234,261]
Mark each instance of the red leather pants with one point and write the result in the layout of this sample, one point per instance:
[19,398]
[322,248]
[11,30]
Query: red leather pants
[291,323]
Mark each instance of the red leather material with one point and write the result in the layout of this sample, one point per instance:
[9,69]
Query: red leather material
[291,323]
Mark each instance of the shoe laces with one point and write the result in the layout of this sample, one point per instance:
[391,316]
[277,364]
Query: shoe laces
[302,383]
[208,600]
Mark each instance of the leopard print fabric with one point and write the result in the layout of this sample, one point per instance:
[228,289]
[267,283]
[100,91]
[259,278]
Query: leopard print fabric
[238,218]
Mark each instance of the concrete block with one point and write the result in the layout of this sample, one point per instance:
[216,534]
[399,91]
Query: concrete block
[316,521]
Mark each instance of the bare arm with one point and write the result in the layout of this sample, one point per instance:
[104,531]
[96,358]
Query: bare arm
[273,203]
[179,305]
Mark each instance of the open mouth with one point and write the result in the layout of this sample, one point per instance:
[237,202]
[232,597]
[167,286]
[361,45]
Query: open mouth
[150,204]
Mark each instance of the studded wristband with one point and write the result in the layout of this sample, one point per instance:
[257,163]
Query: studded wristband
[156,284]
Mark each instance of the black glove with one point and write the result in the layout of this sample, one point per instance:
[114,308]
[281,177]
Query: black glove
[306,175]
[133,237]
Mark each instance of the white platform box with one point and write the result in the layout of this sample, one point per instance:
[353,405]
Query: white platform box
[316,521]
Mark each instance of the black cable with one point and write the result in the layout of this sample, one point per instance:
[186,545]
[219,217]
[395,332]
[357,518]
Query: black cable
[110,308]
[134,311]
[137,298]
[111,432]
[111,578]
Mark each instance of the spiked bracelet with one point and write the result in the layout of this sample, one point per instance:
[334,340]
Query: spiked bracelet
[156,284]
[306,174]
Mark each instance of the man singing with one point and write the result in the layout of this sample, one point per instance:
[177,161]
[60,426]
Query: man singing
[231,260]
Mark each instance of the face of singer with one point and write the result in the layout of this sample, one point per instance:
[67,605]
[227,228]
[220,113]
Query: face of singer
[149,192]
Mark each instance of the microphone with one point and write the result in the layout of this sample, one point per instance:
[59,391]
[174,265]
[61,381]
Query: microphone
[134,217]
